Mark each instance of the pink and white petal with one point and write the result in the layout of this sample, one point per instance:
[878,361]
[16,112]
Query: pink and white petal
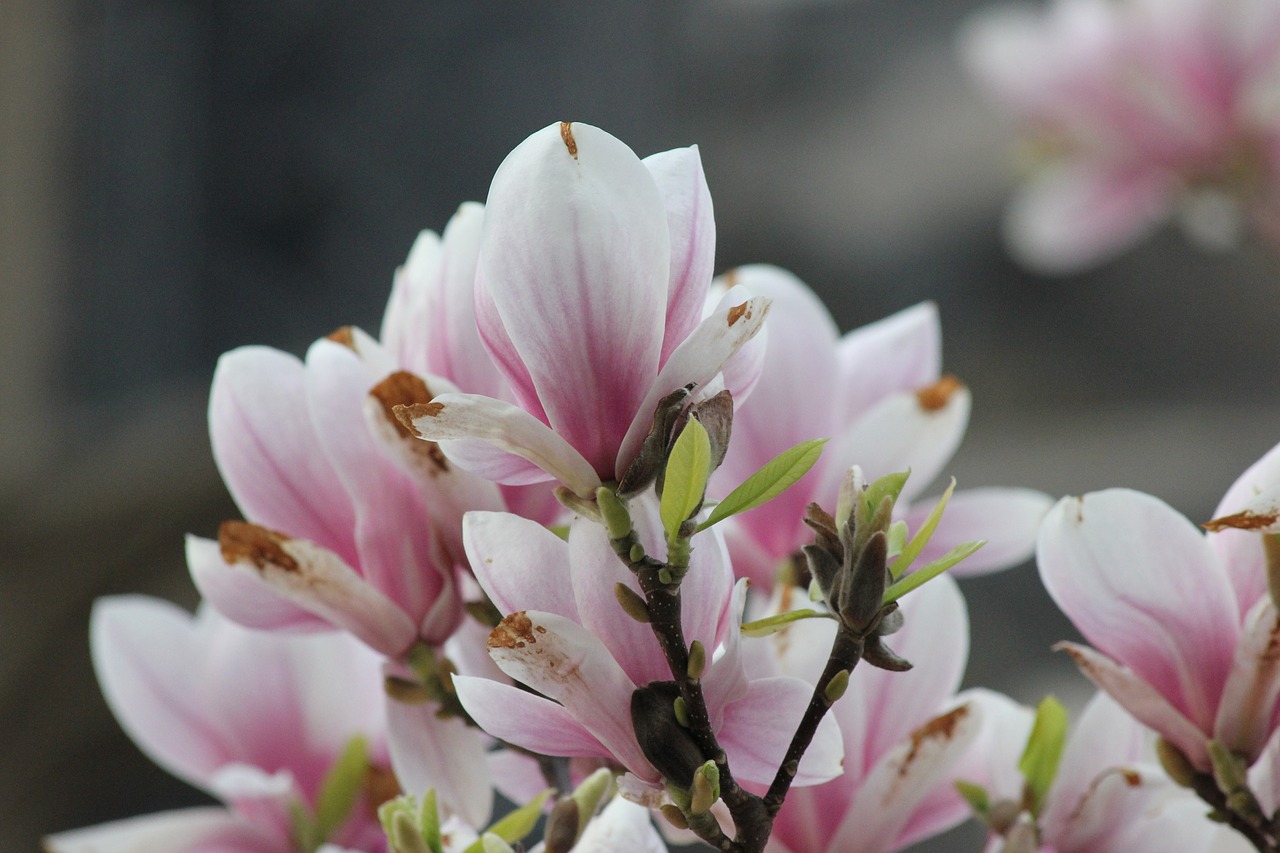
[521,718]
[1106,738]
[595,571]
[563,661]
[622,827]
[917,431]
[902,352]
[268,453]
[888,799]
[520,564]
[1008,519]
[509,430]
[143,652]
[1240,551]
[1144,587]
[400,554]
[726,679]
[1142,701]
[1264,776]
[404,322]
[446,755]
[692,226]
[516,775]
[696,361]
[1248,710]
[1118,796]
[935,638]
[748,557]
[318,581]
[260,796]
[757,730]
[992,758]
[242,595]
[1077,215]
[1180,817]
[206,829]
[575,252]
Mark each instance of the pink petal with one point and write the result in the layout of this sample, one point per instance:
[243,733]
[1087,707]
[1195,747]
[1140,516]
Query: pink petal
[403,332]
[692,226]
[268,452]
[446,755]
[575,256]
[1248,707]
[1240,551]
[563,661]
[243,596]
[317,581]
[1143,586]
[509,431]
[400,555]
[1080,214]
[918,431]
[206,829]
[143,653]
[889,797]
[696,361]
[902,352]
[519,717]
[520,564]
[1008,519]
[622,827]
[1142,701]
[757,731]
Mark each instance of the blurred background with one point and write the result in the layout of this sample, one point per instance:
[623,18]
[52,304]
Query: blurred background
[178,178]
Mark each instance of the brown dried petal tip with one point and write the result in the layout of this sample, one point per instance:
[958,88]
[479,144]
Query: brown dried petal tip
[241,541]
[934,397]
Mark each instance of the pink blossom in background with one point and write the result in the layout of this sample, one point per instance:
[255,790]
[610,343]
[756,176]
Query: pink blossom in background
[568,638]
[593,270]
[879,395]
[1109,795]
[903,732]
[1136,110]
[256,720]
[1180,622]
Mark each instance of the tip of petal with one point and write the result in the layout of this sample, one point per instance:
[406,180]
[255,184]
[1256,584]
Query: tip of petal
[398,394]
[410,413]
[241,542]
[1245,520]
[515,632]
[941,728]
[566,133]
[344,335]
[936,396]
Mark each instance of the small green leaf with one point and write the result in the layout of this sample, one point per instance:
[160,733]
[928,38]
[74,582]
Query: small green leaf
[890,486]
[341,788]
[924,574]
[429,822]
[773,624]
[490,843]
[560,530]
[917,543]
[1039,762]
[515,825]
[976,796]
[777,475]
[685,481]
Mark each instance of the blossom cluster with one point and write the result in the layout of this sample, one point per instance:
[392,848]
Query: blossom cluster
[567,524]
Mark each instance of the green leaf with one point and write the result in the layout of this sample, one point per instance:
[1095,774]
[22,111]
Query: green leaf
[560,530]
[429,822]
[685,481]
[773,624]
[924,574]
[976,796]
[341,788]
[1039,762]
[890,486]
[778,474]
[923,535]
[515,825]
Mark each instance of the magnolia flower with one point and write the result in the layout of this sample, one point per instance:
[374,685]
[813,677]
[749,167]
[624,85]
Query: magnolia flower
[1183,629]
[568,638]
[902,732]
[351,522]
[1138,108]
[593,270]
[878,394]
[256,720]
[1108,794]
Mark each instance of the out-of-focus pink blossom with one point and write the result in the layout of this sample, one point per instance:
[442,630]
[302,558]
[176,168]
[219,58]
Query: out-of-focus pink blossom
[878,394]
[902,733]
[594,267]
[1138,109]
[1109,794]
[256,720]
[568,638]
[1183,629]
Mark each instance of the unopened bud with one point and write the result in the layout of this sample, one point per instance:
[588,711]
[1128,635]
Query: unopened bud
[1175,763]
[405,691]
[705,788]
[563,827]
[405,837]
[674,816]
[836,687]
[632,602]
[681,711]
[697,660]
[614,513]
